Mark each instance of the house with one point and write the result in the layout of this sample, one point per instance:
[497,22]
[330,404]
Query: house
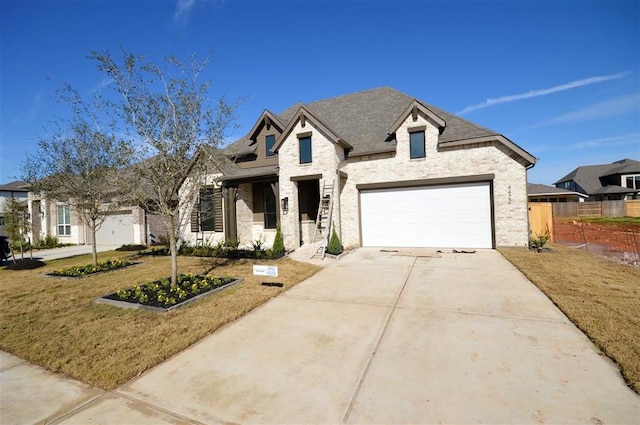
[394,170]
[543,193]
[607,182]
[18,190]
[126,225]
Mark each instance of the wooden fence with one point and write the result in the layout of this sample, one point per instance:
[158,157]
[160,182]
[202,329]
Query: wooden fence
[630,208]
[541,218]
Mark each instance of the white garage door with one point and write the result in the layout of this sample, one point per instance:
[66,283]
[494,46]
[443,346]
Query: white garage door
[453,216]
[117,229]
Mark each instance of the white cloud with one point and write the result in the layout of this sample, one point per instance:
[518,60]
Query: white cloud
[623,139]
[543,92]
[608,108]
[183,11]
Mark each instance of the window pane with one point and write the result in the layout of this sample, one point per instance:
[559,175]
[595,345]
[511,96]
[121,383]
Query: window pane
[637,182]
[270,216]
[67,215]
[207,211]
[629,182]
[271,140]
[305,150]
[417,144]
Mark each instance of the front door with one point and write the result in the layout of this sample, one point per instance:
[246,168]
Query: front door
[308,201]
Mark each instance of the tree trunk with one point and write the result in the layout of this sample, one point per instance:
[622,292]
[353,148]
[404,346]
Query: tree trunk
[173,246]
[94,247]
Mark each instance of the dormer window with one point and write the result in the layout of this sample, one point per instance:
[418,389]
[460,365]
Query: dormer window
[416,142]
[270,141]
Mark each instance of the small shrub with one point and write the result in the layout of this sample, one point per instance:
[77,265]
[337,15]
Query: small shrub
[257,245]
[48,242]
[541,239]
[232,244]
[185,248]
[335,246]
[278,244]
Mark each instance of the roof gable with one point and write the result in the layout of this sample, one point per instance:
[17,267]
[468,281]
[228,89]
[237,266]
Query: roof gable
[303,115]
[413,109]
[266,119]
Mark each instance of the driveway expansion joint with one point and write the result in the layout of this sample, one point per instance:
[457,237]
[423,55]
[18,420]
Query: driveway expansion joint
[78,408]
[377,345]
[13,365]
[161,409]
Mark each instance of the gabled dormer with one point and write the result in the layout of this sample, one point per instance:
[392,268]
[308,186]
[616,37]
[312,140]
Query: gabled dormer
[302,116]
[261,141]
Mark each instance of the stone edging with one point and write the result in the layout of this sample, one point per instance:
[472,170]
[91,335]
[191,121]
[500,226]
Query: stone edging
[124,304]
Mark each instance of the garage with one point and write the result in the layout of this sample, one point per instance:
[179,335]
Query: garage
[446,216]
[117,229]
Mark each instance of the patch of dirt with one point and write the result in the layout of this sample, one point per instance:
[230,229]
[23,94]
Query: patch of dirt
[621,243]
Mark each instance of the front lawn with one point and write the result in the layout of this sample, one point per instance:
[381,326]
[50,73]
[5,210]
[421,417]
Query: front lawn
[600,296]
[56,324]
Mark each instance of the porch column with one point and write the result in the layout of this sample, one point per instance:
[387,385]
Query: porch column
[230,221]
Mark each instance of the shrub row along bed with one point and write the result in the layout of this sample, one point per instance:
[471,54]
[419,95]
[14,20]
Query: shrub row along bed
[104,266]
[161,293]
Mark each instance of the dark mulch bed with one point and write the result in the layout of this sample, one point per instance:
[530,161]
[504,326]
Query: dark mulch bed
[26,264]
[132,247]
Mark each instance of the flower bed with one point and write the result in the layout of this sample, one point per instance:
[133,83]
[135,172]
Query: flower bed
[220,253]
[161,295]
[104,266]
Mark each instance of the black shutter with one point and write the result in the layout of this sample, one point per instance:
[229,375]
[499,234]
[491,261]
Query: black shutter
[195,218]
[217,210]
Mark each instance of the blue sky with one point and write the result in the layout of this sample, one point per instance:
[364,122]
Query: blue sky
[559,78]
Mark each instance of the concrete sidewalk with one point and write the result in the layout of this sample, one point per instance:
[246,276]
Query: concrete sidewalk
[373,338]
[63,252]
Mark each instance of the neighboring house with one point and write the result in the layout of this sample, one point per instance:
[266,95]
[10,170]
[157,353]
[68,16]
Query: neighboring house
[49,217]
[17,189]
[404,173]
[544,193]
[607,182]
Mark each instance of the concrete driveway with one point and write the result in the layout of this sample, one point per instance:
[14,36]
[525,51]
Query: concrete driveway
[382,338]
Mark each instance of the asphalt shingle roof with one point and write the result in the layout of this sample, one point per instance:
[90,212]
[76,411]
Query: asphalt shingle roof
[15,186]
[363,119]
[543,189]
[588,176]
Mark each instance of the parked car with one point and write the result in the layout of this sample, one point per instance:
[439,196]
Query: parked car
[5,250]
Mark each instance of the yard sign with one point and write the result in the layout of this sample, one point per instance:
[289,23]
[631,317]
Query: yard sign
[271,271]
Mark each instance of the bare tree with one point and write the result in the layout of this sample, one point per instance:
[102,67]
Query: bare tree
[82,162]
[170,111]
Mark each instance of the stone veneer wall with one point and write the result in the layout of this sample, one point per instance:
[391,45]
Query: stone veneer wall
[509,186]
[325,156]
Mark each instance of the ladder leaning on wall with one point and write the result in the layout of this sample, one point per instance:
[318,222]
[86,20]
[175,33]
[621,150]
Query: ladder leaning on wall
[322,231]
